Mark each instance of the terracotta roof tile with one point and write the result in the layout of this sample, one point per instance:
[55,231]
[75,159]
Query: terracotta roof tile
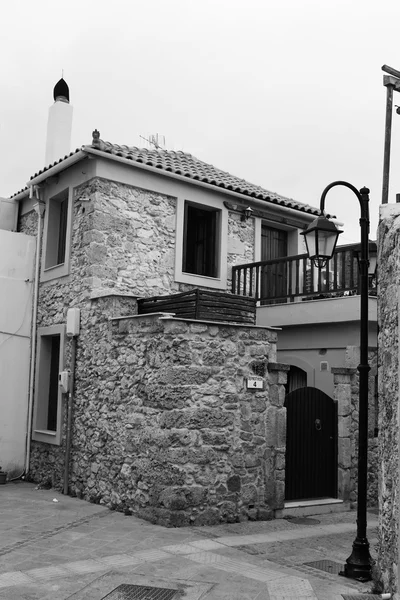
[186,165]
[46,169]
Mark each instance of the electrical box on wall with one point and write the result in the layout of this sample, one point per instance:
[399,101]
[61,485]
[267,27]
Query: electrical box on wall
[63,381]
[73,321]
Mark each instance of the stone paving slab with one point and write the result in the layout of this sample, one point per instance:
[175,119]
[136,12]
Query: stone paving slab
[58,550]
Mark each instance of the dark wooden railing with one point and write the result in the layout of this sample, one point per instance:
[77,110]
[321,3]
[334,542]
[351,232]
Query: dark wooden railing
[285,279]
[204,305]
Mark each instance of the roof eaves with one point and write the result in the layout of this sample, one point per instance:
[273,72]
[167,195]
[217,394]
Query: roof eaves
[49,171]
[57,167]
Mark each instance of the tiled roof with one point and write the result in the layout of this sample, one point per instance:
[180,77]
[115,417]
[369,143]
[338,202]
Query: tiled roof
[186,165]
[60,160]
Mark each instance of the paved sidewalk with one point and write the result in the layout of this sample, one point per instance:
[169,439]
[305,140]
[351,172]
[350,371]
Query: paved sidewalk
[74,550]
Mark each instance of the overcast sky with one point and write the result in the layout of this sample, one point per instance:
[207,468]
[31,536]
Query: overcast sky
[287,94]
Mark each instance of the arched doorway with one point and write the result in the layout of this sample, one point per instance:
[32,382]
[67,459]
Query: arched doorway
[311,445]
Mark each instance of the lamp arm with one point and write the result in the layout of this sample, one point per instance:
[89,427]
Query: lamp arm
[345,184]
[363,198]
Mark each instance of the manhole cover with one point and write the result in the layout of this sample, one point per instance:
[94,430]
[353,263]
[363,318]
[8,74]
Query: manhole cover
[305,521]
[140,592]
[326,565]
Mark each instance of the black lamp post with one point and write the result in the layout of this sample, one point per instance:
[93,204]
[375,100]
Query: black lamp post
[358,565]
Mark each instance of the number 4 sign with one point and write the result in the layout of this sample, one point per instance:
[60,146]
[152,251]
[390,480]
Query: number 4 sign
[255,383]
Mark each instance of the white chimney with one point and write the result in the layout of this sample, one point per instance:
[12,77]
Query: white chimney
[59,125]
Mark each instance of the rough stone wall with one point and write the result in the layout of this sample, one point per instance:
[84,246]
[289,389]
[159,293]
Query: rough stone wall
[241,243]
[163,426]
[347,396]
[373,471]
[131,238]
[123,242]
[388,390]
[343,382]
[27,223]
[47,461]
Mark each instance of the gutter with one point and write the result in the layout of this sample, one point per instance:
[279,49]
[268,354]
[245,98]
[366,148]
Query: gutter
[60,166]
[70,407]
[51,172]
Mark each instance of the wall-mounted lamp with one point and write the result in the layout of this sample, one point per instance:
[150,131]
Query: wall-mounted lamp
[247,213]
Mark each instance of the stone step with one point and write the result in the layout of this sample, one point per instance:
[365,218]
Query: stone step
[321,506]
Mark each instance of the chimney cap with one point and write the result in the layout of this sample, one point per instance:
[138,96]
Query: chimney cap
[61,91]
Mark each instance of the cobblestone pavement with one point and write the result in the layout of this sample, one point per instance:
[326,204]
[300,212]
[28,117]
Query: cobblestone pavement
[71,549]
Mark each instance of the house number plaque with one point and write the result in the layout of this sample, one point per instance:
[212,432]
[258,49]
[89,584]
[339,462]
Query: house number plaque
[255,383]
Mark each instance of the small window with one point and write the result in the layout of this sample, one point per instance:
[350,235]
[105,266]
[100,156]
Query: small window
[201,240]
[57,230]
[47,416]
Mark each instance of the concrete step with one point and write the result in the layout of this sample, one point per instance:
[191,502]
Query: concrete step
[320,506]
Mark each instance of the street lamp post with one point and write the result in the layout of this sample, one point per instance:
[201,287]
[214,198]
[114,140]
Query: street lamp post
[358,565]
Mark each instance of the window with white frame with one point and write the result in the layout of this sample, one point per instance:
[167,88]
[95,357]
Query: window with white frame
[47,409]
[201,241]
[57,235]
[57,230]
[201,233]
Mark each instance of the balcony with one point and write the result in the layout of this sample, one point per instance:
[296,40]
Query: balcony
[295,279]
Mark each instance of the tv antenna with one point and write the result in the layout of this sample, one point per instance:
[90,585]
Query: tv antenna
[156,140]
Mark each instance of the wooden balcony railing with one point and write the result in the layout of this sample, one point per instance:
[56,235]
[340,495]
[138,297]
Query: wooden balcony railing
[295,277]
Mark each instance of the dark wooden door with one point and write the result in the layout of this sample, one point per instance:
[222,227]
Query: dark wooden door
[311,445]
[273,277]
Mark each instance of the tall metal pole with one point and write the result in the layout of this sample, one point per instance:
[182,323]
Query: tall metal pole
[391,83]
[388,138]
[358,565]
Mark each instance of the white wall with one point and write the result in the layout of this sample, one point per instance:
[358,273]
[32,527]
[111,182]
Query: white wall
[8,214]
[17,255]
[317,332]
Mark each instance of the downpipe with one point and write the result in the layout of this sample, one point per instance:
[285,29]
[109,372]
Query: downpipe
[69,414]
[39,208]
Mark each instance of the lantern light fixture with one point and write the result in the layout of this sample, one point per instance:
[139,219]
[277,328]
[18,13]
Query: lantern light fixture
[247,213]
[321,237]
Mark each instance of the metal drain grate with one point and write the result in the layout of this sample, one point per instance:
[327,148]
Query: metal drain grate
[140,592]
[304,521]
[361,596]
[329,566]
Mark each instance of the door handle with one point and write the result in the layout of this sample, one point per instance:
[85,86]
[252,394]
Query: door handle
[318,424]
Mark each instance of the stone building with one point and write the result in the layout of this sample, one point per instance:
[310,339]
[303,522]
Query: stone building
[162,423]
[155,414]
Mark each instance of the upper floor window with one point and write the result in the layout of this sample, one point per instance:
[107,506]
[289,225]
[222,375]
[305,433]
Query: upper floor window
[57,230]
[201,240]
[57,233]
[201,252]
